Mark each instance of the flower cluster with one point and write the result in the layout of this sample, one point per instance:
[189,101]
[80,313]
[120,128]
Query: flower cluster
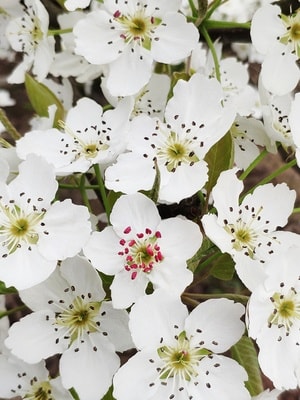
[141,253]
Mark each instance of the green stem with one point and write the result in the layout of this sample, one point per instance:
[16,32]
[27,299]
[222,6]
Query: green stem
[231,296]
[193,8]
[272,176]
[53,32]
[71,186]
[254,163]
[11,311]
[102,189]
[202,9]
[211,46]
[211,8]
[212,24]
[296,210]
[83,192]
[9,126]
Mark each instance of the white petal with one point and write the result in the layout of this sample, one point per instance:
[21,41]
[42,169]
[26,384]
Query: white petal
[134,210]
[135,62]
[167,317]
[125,290]
[102,250]
[217,323]
[33,338]
[176,39]
[66,229]
[90,369]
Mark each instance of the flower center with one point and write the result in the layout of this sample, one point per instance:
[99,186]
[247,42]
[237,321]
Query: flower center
[87,144]
[141,252]
[17,227]
[137,27]
[40,391]
[243,237]
[292,35]
[180,360]
[176,151]
[79,317]
[286,310]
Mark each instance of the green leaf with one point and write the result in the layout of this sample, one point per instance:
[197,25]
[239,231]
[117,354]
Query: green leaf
[223,267]
[41,97]
[219,158]
[206,248]
[245,354]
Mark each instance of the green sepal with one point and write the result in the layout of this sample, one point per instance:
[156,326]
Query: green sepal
[244,352]
[219,158]
[41,97]
[7,290]
[223,267]
[108,395]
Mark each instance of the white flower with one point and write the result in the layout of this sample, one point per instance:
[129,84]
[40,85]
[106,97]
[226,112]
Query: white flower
[71,317]
[248,230]
[29,381]
[247,135]
[275,112]
[178,355]
[90,137]
[294,122]
[129,36]
[140,248]
[276,36]
[29,34]
[150,100]
[66,63]
[274,319]
[34,233]
[178,146]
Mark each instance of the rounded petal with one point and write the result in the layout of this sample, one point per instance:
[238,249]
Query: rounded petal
[216,323]
[102,250]
[134,210]
[90,369]
[167,318]
[64,231]
[34,338]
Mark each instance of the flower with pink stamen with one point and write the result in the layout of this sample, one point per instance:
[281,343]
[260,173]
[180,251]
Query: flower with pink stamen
[140,248]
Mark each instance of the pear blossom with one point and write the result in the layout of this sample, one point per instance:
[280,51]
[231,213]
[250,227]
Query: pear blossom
[276,36]
[176,147]
[179,354]
[293,119]
[249,229]
[29,381]
[9,9]
[34,232]
[275,113]
[28,34]
[234,77]
[72,5]
[139,248]
[66,63]
[273,319]
[130,36]
[150,100]
[70,316]
[89,137]
[247,134]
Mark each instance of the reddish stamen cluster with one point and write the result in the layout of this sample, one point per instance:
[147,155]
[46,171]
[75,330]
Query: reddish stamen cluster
[142,252]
